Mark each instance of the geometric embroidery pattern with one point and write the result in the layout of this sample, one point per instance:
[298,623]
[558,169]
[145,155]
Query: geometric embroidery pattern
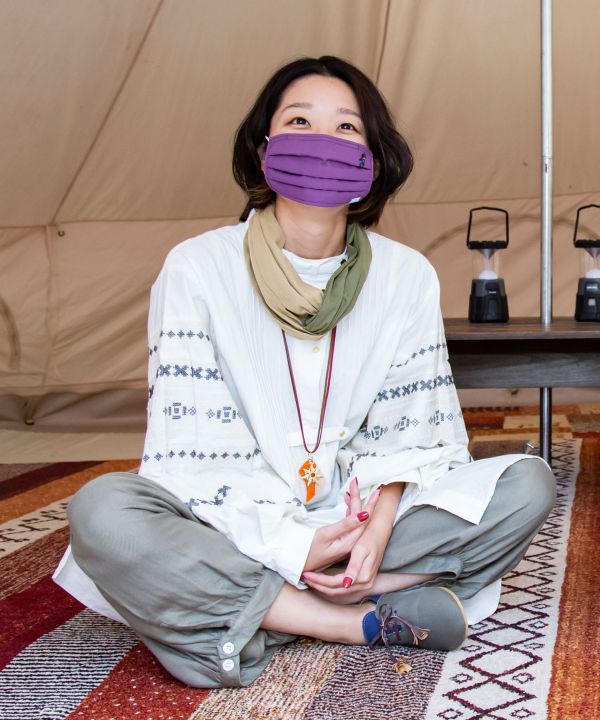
[217,500]
[197,373]
[200,455]
[184,333]
[189,334]
[418,386]
[357,457]
[294,501]
[421,352]
[439,417]
[178,410]
[225,414]
[375,432]
[404,423]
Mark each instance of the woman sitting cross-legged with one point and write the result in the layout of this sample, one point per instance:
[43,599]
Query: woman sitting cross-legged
[305,470]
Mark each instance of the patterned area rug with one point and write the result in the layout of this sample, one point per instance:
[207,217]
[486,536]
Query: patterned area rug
[537,657]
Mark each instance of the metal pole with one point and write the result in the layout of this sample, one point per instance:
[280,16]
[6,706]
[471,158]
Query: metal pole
[546,266]
[546,424]
[546,212]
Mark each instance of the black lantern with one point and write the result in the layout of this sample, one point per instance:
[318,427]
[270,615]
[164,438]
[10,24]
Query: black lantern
[587,304]
[487,302]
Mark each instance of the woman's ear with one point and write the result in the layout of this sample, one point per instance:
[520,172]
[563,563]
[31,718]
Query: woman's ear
[261,150]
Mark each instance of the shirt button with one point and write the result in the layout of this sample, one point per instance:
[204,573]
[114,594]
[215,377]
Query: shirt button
[316,349]
[342,433]
[227,665]
[228,648]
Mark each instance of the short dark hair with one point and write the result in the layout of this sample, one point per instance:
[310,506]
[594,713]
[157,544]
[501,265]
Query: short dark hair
[390,150]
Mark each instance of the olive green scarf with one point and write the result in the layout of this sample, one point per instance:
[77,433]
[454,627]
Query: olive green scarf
[303,310]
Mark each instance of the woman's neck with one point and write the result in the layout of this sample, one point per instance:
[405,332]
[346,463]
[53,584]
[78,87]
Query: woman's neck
[312,232]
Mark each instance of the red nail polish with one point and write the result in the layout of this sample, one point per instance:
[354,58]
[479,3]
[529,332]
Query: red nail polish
[348,494]
[355,481]
[302,578]
[347,582]
[362,516]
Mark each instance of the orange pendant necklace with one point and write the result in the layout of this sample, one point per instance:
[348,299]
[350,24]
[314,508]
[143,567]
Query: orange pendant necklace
[308,471]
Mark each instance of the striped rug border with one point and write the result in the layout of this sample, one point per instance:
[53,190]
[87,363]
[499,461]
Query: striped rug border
[28,501]
[27,615]
[74,658]
[575,684]
[35,477]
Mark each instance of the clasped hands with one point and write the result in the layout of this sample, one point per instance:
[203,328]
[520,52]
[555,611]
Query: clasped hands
[361,538]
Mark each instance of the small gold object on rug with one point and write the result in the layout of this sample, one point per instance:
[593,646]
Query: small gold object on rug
[402,667]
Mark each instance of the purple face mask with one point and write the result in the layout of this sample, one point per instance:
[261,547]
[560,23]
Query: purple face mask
[318,169]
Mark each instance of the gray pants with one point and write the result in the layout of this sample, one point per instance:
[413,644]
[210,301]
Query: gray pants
[198,603]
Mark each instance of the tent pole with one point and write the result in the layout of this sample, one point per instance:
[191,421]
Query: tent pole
[546,212]
[546,267]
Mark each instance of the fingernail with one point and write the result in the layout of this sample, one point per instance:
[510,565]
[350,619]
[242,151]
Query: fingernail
[302,578]
[347,582]
[362,516]
[355,481]
[348,494]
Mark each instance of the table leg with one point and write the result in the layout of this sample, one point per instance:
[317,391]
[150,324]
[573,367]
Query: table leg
[546,424]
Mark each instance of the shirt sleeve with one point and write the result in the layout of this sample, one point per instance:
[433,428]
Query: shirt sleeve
[414,431]
[198,444]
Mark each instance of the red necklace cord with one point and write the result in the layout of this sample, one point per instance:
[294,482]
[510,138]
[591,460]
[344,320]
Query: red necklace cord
[325,390]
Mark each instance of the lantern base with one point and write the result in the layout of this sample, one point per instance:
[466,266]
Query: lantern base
[587,304]
[488,301]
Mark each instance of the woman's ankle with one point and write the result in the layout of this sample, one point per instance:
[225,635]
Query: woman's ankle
[347,627]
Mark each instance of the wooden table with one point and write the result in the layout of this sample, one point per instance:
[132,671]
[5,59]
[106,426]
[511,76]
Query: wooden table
[525,353]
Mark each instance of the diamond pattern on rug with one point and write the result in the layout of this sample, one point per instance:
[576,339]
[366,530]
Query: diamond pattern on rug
[503,669]
[21,531]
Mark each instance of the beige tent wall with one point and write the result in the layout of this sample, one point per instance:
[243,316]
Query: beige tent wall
[116,130]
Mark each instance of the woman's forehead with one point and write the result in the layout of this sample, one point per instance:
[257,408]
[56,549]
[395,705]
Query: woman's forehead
[312,89]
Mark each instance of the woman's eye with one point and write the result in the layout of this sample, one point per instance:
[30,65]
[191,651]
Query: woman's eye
[348,126]
[298,121]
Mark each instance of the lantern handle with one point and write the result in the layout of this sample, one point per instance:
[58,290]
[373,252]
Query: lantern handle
[493,209]
[583,207]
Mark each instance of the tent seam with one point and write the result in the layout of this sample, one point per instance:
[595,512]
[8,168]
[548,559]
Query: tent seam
[386,23]
[52,307]
[108,112]
[84,388]
[12,331]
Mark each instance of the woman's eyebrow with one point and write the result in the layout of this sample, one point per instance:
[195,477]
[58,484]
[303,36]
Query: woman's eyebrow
[347,111]
[309,106]
[304,105]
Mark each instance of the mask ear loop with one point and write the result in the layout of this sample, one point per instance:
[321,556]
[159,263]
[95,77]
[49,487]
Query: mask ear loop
[261,154]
